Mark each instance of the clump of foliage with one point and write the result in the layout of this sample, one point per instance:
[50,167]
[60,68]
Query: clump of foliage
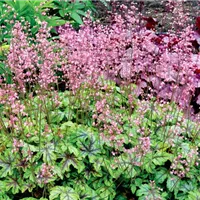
[28,12]
[101,145]
[73,11]
[33,13]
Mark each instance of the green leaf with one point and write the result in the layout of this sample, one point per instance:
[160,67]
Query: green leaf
[57,117]
[45,4]
[2,187]
[69,124]
[4,196]
[3,49]
[55,21]
[48,152]
[99,162]
[12,183]
[148,163]
[159,158]
[28,147]
[194,195]
[84,191]
[129,171]
[138,182]
[65,193]
[114,173]
[187,186]
[164,195]
[81,12]
[26,11]
[76,17]
[5,71]
[29,174]
[173,182]
[20,5]
[32,21]
[81,134]
[57,170]
[78,5]
[62,13]
[144,190]
[133,188]
[73,150]
[28,185]
[89,148]
[161,175]
[185,148]
[55,192]
[34,30]
[68,159]
[148,192]
[6,164]
[13,4]
[106,192]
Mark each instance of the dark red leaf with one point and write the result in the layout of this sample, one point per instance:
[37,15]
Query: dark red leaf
[198,22]
[173,42]
[195,44]
[151,23]
[157,40]
[197,71]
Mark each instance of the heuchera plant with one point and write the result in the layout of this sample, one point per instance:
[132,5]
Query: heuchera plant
[117,130]
[124,53]
[100,145]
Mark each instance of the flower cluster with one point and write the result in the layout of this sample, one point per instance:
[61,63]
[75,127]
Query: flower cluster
[16,145]
[180,167]
[33,62]
[145,144]
[182,163]
[45,173]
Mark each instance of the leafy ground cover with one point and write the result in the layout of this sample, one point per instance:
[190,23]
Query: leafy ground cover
[99,111]
[108,145]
